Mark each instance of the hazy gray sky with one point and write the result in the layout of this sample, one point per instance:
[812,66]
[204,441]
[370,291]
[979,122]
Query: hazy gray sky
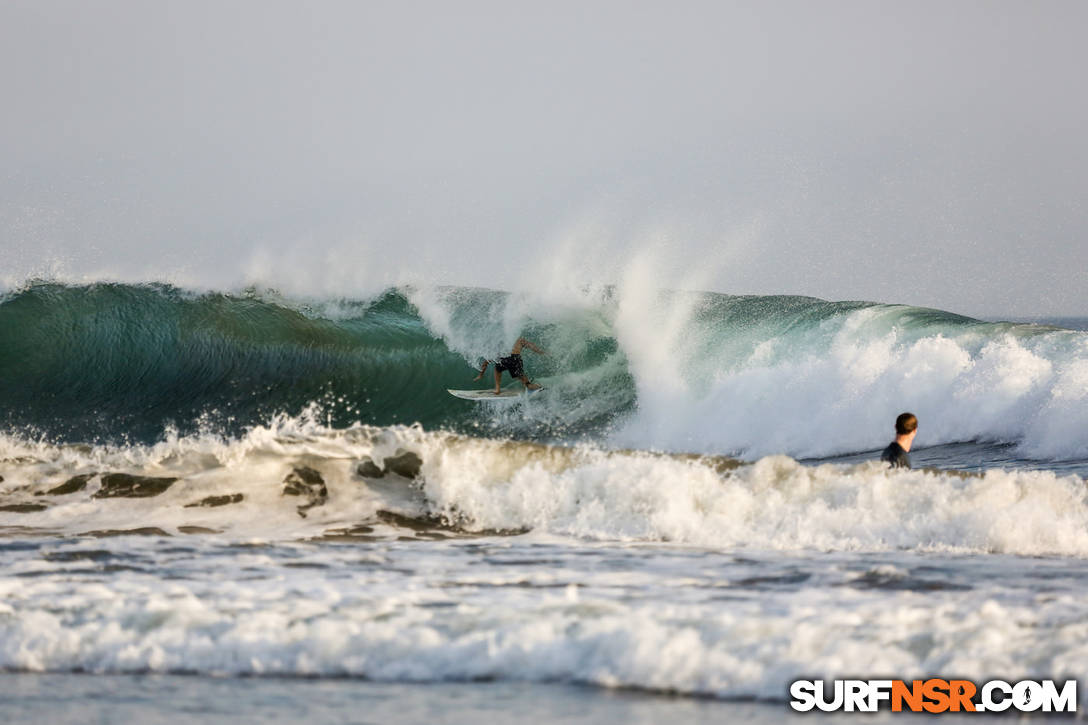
[933,153]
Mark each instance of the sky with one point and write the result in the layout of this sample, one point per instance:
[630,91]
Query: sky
[929,153]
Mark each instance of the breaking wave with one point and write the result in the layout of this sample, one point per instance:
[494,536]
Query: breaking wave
[653,370]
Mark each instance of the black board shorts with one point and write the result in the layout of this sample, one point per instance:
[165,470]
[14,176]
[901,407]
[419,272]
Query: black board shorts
[511,364]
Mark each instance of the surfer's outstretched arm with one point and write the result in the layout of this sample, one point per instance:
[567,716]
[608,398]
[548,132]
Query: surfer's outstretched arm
[522,342]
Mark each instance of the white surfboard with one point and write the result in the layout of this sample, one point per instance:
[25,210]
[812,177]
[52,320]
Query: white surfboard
[479,395]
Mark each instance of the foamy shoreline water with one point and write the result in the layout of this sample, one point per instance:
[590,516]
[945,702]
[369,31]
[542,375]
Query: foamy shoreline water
[683,574]
[730,625]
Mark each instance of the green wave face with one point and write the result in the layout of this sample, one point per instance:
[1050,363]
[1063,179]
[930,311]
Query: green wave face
[114,362]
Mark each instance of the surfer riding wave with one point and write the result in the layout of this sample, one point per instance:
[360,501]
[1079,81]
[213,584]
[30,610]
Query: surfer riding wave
[512,364]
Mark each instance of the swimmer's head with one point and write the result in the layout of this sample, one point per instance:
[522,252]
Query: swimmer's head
[905,424]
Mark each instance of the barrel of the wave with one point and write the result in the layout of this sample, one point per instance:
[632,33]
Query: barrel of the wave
[115,362]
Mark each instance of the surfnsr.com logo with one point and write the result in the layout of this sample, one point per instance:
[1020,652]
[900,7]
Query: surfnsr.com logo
[933,696]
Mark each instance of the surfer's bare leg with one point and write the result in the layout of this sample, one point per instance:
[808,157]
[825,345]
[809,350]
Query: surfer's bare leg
[482,370]
[529,385]
[498,380]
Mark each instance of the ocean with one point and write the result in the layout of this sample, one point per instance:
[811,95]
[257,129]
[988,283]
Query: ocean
[248,505]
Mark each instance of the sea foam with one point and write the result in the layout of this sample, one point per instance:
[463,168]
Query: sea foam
[586,492]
